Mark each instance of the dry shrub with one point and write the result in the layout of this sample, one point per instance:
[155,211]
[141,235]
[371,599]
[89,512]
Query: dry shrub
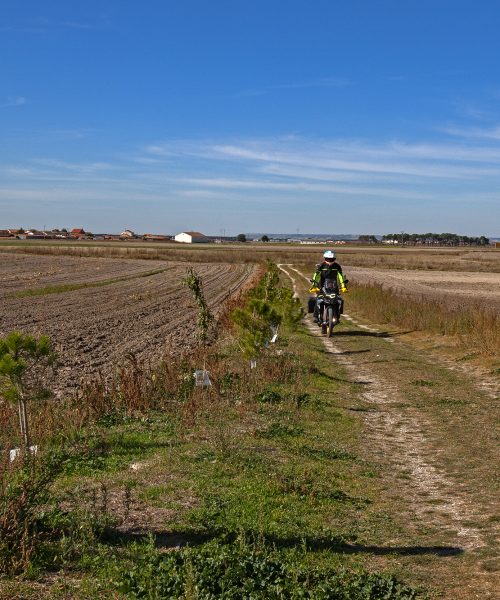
[136,389]
[49,420]
[474,325]
[23,491]
[279,367]
[9,426]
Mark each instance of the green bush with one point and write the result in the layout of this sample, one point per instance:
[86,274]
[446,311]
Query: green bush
[24,363]
[269,305]
[280,430]
[269,396]
[244,569]
[254,324]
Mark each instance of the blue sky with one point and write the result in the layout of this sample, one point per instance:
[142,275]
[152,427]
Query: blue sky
[328,116]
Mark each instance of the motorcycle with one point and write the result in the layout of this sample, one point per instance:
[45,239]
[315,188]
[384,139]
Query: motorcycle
[329,306]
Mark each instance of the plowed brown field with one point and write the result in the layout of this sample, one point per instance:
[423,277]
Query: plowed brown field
[133,307]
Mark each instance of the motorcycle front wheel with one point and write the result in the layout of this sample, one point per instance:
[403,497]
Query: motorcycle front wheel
[331,321]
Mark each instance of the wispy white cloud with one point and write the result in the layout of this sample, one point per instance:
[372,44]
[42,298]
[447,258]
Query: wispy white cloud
[76,134]
[79,25]
[147,160]
[43,24]
[447,152]
[289,171]
[75,167]
[336,82]
[288,163]
[251,93]
[303,186]
[491,133]
[164,150]
[202,194]
[14,101]
[81,195]
[320,82]
[335,159]
[471,111]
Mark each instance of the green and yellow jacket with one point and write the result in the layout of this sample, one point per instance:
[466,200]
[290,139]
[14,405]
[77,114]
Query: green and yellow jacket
[329,271]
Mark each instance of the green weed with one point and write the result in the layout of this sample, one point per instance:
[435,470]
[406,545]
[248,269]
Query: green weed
[269,396]
[325,453]
[244,569]
[71,287]
[280,430]
[451,402]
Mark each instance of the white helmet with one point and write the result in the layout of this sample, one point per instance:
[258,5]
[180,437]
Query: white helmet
[329,255]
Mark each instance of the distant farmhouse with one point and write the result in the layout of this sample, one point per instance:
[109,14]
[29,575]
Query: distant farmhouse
[191,237]
[78,233]
[128,234]
[34,234]
[153,237]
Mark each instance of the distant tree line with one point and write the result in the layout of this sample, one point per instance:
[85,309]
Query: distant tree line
[368,239]
[429,239]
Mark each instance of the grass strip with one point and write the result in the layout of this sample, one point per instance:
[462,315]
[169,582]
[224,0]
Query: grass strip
[71,287]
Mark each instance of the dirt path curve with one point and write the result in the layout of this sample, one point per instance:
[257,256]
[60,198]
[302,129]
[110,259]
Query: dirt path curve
[431,429]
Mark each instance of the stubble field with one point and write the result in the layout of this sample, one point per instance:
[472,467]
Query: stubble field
[454,287]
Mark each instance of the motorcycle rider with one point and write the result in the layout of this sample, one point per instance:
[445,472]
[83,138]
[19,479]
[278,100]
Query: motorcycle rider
[328,269]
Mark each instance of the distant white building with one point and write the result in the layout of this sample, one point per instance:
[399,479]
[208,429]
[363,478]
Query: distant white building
[191,237]
[128,233]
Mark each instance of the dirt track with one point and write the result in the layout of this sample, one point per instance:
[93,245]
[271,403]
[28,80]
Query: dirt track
[432,429]
[457,287]
[94,328]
